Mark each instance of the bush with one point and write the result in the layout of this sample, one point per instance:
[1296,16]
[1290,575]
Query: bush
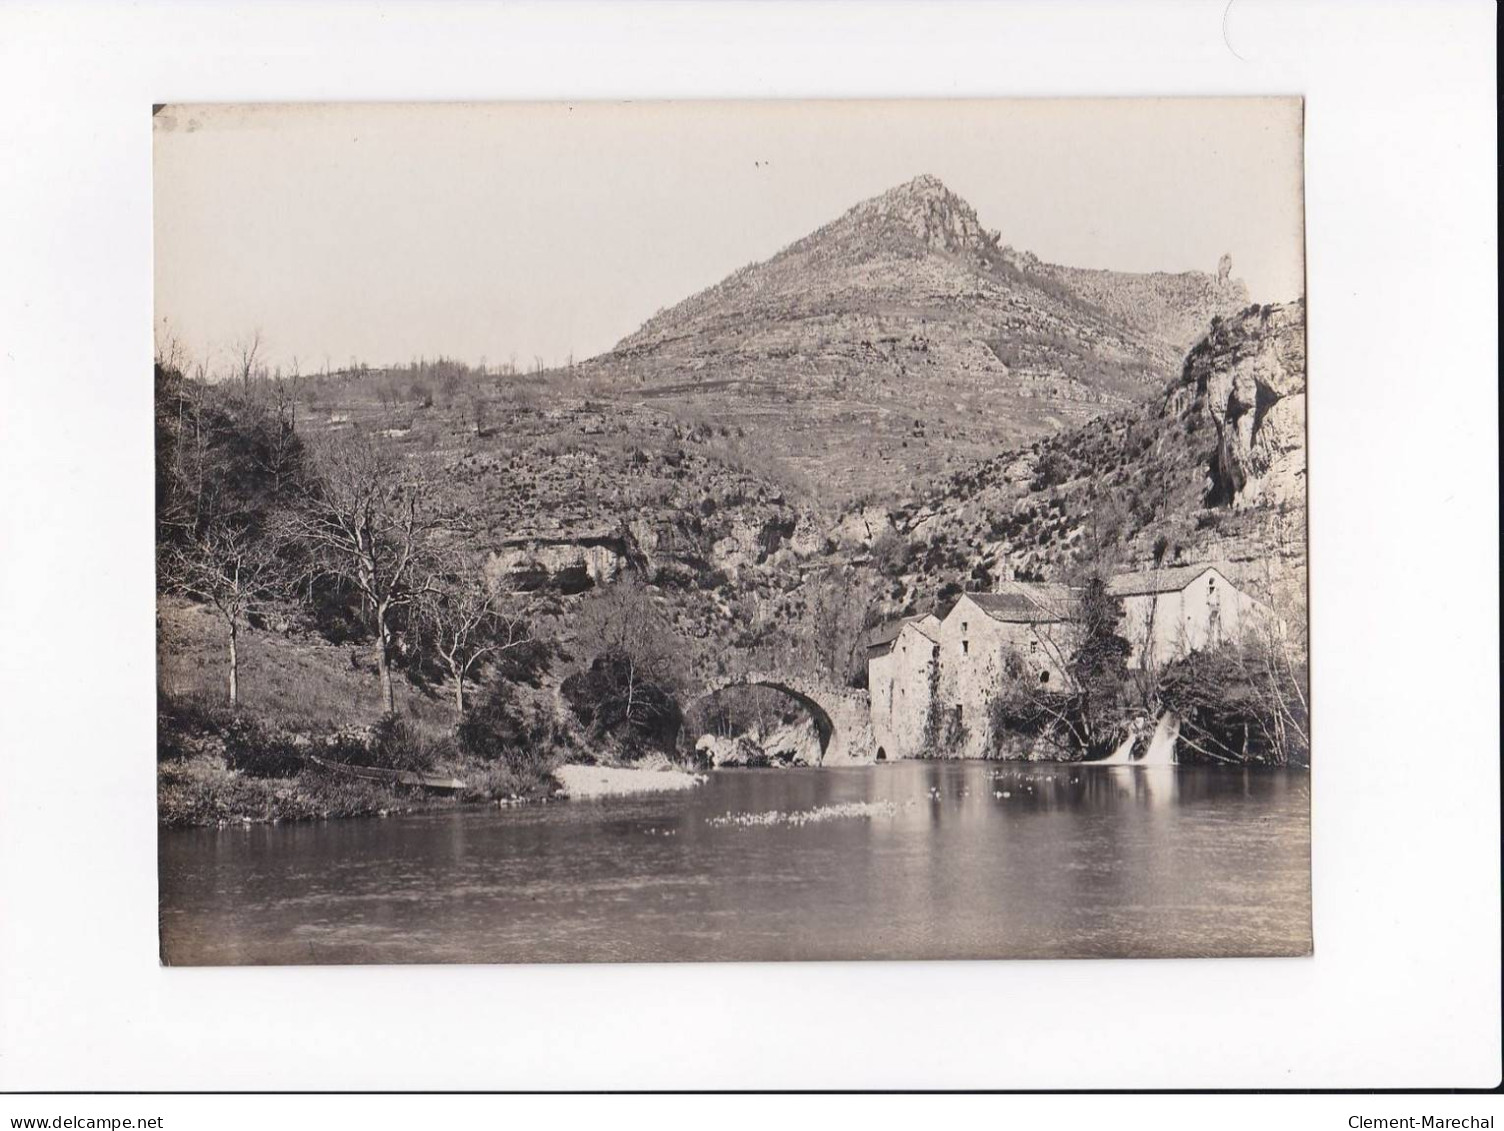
[181,722]
[258,753]
[1239,703]
[616,698]
[1050,470]
[499,727]
[396,744]
[519,744]
[1022,713]
[891,553]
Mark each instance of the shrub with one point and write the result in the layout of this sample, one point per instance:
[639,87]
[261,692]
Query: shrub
[499,727]
[1240,703]
[180,722]
[519,743]
[891,553]
[614,697]
[396,744]
[1050,470]
[258,753]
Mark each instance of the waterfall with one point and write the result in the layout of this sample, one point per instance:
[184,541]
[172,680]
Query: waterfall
[1123,755]
[1162,745]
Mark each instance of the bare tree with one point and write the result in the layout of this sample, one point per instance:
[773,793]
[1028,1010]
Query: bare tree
[478,413]
[1103,532]
[1082,714]
[1273,656]
[244,354]
[470,623]
[367,519]
[636,658]
[171,353]
[229,569]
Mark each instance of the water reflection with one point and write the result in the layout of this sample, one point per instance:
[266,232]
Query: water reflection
[963,860]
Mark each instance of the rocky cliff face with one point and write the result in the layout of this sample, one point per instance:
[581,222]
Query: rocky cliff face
[1249,377]
[1214,468]
[564,565]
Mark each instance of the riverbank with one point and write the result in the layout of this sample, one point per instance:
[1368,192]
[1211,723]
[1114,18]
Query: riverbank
[201,791]
[212,775]
[217,766]
[582,782]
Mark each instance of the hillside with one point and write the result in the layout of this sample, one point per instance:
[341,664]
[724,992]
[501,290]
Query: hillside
[902,341]
[566,490]
[1211,469]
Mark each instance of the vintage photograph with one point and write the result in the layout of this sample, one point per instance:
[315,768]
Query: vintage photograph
[658,532]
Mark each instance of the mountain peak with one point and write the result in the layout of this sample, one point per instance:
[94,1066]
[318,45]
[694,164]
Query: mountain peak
[925,185]
[929,210]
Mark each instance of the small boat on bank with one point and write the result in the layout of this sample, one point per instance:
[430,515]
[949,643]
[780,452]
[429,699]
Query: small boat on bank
[432,782]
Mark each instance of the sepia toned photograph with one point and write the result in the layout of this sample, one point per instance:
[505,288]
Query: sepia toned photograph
[739,531]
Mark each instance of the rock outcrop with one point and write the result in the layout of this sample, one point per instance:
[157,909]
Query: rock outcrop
[1214,469]
[1249,377]
[564,565]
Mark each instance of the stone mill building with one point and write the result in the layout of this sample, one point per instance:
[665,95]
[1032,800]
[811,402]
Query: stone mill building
[928,673]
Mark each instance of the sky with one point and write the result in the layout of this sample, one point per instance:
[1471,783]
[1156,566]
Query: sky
[501,231]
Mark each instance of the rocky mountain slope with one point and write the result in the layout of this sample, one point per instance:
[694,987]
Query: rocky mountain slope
[1211,469]
[903,340]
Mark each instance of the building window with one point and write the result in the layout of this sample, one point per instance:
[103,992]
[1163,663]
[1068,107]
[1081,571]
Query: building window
[1033,646]
[1044,677]
[963,626]
[965,647]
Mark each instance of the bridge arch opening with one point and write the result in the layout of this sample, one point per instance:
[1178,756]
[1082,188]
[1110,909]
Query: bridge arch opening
[824,725]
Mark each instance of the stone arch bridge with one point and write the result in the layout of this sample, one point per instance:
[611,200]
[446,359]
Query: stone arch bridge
[842,717]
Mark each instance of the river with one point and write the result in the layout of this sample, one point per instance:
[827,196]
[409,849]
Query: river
[917,860]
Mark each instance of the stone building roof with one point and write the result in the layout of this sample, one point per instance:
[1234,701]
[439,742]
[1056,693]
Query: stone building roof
[1024,602]
[1170,580]
[1020,602]
[925,629]
[882,637]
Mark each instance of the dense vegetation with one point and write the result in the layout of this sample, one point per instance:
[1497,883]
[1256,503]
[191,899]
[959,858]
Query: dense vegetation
[342,552]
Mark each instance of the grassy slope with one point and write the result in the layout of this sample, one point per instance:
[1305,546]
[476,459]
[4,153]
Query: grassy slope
[294,682]
[301,681]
